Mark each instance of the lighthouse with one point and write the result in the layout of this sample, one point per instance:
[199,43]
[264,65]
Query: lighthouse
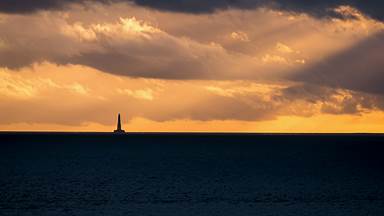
[118,129]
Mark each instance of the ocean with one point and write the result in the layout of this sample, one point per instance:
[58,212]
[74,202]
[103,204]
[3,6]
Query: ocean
[191,174]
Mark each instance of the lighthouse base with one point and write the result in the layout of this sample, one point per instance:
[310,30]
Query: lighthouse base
[119,131]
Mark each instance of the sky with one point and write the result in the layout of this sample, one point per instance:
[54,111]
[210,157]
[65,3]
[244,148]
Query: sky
[192,65]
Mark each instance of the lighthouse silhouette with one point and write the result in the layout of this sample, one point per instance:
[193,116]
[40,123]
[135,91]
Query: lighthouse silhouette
[118,129]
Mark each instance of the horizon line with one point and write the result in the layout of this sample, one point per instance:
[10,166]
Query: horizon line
[199,132]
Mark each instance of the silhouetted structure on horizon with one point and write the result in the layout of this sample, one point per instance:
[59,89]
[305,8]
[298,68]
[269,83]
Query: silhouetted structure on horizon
[118,129]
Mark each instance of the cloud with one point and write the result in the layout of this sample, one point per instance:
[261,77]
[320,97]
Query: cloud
[240,36]
[284,48]
[269,46]
[20,88]
[331,100]
[373,8]
[358,68]
[74,95]
[266,44]
[321,8]
[128,46]
[145,94]
[274,59]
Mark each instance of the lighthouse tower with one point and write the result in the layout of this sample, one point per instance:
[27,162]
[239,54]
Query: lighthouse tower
[118,129]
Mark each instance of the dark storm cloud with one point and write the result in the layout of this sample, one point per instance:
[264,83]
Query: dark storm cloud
[360,68]
[373,8]
[26,6]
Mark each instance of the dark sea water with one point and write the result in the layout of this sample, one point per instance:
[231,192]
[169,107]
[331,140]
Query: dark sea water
[191,174]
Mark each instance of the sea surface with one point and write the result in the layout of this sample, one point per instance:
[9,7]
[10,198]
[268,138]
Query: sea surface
[191,174]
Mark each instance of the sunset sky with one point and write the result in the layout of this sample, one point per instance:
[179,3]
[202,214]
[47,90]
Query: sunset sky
[192,65]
